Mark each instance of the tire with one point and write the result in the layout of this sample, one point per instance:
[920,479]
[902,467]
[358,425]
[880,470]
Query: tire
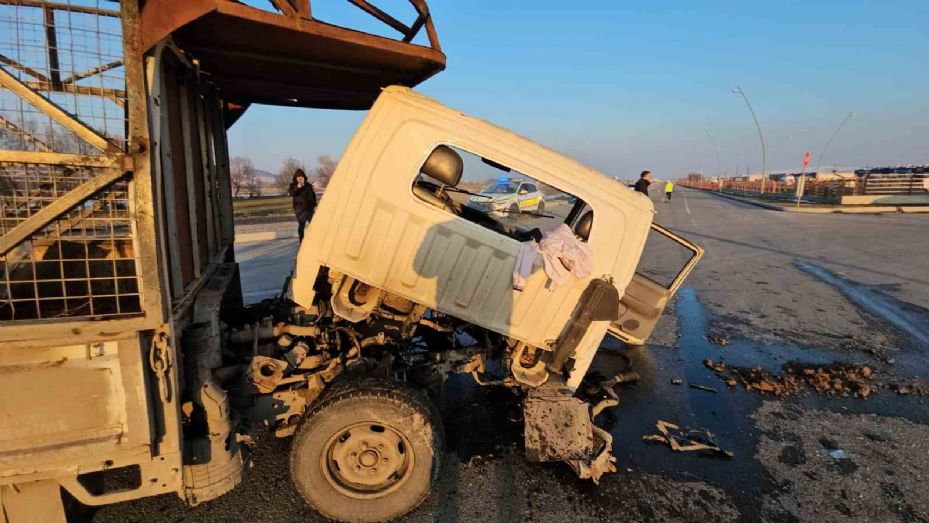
[541,208]
[514,210]
[363,424]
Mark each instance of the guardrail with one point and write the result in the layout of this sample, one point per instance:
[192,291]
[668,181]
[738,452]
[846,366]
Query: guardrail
[820,191]
[908,184]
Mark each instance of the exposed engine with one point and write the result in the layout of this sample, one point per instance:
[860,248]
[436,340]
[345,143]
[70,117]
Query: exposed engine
[289,357]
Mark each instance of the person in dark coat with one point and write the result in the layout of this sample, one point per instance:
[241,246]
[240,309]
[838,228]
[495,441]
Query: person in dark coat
[304,197]
[645,179]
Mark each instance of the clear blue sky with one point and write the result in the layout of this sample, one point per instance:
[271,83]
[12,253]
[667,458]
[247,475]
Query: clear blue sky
[626,86]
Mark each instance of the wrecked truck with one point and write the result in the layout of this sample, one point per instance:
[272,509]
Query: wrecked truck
[129,365]
[398,283]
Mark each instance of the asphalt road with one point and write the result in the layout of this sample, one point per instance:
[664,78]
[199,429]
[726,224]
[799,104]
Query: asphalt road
[773,288]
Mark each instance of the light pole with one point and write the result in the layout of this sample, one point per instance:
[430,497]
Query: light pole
[719,168]
[819,158]
[764,153]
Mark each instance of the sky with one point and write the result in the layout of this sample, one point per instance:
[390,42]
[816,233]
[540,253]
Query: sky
[626,86]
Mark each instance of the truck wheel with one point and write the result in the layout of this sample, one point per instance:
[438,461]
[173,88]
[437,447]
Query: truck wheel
[541,208]
[369,451]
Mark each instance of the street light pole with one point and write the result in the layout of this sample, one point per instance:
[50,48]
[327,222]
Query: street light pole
[719,168]
[764,153]
[819,158]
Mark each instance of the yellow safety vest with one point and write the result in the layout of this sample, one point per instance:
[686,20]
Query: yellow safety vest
[668,187]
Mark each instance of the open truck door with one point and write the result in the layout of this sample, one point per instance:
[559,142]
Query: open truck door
[665,263]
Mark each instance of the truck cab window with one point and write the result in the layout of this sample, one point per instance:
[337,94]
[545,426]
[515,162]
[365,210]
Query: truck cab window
[492,195]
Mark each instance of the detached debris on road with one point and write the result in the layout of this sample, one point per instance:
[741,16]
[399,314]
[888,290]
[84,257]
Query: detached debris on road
[686,439]
[840,380]
[910,389]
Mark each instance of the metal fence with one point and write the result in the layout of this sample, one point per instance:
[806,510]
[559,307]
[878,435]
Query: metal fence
[820,191]
[907,184]
[67,232]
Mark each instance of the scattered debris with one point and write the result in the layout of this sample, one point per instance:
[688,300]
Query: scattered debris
[702,387]
[718,340]
[686,439]
[676,381]
[838,454]
[626,377]
[910,389]
[841,380]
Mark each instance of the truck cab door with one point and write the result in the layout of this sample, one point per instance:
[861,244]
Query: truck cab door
[665,263]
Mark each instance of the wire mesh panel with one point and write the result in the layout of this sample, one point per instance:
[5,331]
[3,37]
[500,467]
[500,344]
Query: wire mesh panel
[83,263]
[72,54]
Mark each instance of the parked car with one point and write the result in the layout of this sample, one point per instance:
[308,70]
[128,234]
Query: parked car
[509,196]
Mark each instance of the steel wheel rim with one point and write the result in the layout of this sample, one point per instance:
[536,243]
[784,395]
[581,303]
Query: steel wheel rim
[367,460]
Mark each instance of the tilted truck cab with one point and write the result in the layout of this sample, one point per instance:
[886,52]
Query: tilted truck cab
[373,228]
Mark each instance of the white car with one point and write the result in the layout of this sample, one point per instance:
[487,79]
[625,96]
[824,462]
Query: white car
[509,196]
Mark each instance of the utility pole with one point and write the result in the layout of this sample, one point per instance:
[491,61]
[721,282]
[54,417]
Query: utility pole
[764,152]
[719,168]
[819,157]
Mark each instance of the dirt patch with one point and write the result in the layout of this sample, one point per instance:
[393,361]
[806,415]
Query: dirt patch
[835,467]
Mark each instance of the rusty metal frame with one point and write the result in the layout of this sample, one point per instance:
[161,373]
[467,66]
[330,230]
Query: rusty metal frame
[116,95]
[50,212]
[409,32]
[155,444]
[164,193]
[193,204]
[6,60]
[12,127]
[62,117]
[117,163]
[53,158]
[209,171]
[62,7]
[92,72]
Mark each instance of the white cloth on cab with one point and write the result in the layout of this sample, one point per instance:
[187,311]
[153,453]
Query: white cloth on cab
[527,253]
[565,256]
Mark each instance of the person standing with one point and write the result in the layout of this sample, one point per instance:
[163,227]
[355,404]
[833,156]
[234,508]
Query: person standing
[645,179]
[304,200]
[668,189]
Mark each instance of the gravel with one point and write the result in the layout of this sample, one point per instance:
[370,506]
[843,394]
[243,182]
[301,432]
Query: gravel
[883,476]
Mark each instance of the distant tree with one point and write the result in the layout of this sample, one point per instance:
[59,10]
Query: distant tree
[286,174]
[239,170]
[253,184]
[325,167]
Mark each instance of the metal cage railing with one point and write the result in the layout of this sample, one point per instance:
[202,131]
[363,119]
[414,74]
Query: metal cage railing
[67,233]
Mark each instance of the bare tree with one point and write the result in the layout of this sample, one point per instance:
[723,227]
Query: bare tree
[325,167]
[239,170]
[253,185]
[286,173]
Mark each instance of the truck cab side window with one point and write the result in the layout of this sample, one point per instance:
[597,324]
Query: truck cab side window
[491,194]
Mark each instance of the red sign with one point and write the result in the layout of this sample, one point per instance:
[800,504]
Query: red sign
[806,158]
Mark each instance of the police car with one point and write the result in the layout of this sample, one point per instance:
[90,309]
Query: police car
[507,196]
